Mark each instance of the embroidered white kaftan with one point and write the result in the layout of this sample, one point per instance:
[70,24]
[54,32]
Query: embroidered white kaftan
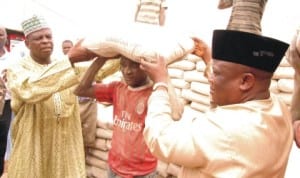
[46,132]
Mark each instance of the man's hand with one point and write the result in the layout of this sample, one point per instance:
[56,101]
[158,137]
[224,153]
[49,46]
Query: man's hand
[203,51]
[156,69]
[78,53]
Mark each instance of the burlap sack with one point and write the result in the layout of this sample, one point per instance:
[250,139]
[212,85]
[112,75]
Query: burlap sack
[246,15]
[93,161]
[183,65]
[284,72]
[195,76]
[195,97]
[88,116]
[175,73]
[180,83]
[104,133]
[286,85]
[100,144]
[99,154]
[201,88]
[200,106]
[94,172]
[138,40]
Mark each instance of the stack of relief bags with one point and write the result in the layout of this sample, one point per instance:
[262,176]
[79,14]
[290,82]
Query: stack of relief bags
[283,81]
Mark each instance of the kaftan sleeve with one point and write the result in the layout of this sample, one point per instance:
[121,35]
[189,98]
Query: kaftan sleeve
[180,142]
[32,85]
[110,67]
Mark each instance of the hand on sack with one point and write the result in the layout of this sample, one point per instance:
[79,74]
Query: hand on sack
[203,51]
[156,69]
[78,53]
[293,53]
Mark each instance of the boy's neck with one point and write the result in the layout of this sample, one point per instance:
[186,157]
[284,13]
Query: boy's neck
[145,84]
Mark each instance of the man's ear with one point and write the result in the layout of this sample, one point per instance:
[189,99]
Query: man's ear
[247,81]
[26,43]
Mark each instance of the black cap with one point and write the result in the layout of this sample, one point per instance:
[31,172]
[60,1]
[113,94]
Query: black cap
[248,49]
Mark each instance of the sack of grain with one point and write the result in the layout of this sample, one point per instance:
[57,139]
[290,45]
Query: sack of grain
[138,41]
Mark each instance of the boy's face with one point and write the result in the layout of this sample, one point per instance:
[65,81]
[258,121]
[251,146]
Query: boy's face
[132,74]
[66,46]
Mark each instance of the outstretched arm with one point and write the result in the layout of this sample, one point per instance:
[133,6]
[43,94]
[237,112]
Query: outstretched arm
[85,87]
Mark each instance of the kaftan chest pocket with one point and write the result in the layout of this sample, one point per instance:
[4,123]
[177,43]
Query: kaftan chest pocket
[61,104]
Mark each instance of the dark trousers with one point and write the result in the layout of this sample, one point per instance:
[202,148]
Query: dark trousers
[4,126]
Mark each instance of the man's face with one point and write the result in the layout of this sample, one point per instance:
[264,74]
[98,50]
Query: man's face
[224,83]
[3,37]
[132,74]
[66,46]
[40,43]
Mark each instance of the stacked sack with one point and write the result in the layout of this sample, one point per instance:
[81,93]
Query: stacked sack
[283,81]
[97,155]
[191,85]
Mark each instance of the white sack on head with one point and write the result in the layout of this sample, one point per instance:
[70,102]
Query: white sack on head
[138,41]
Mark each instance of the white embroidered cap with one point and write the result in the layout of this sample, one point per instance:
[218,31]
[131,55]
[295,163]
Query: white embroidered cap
[33,24]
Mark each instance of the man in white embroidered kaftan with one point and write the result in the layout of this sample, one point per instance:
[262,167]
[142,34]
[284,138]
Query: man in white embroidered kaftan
[46,132]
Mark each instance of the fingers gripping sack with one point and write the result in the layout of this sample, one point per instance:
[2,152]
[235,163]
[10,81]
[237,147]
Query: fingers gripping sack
[202,50]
